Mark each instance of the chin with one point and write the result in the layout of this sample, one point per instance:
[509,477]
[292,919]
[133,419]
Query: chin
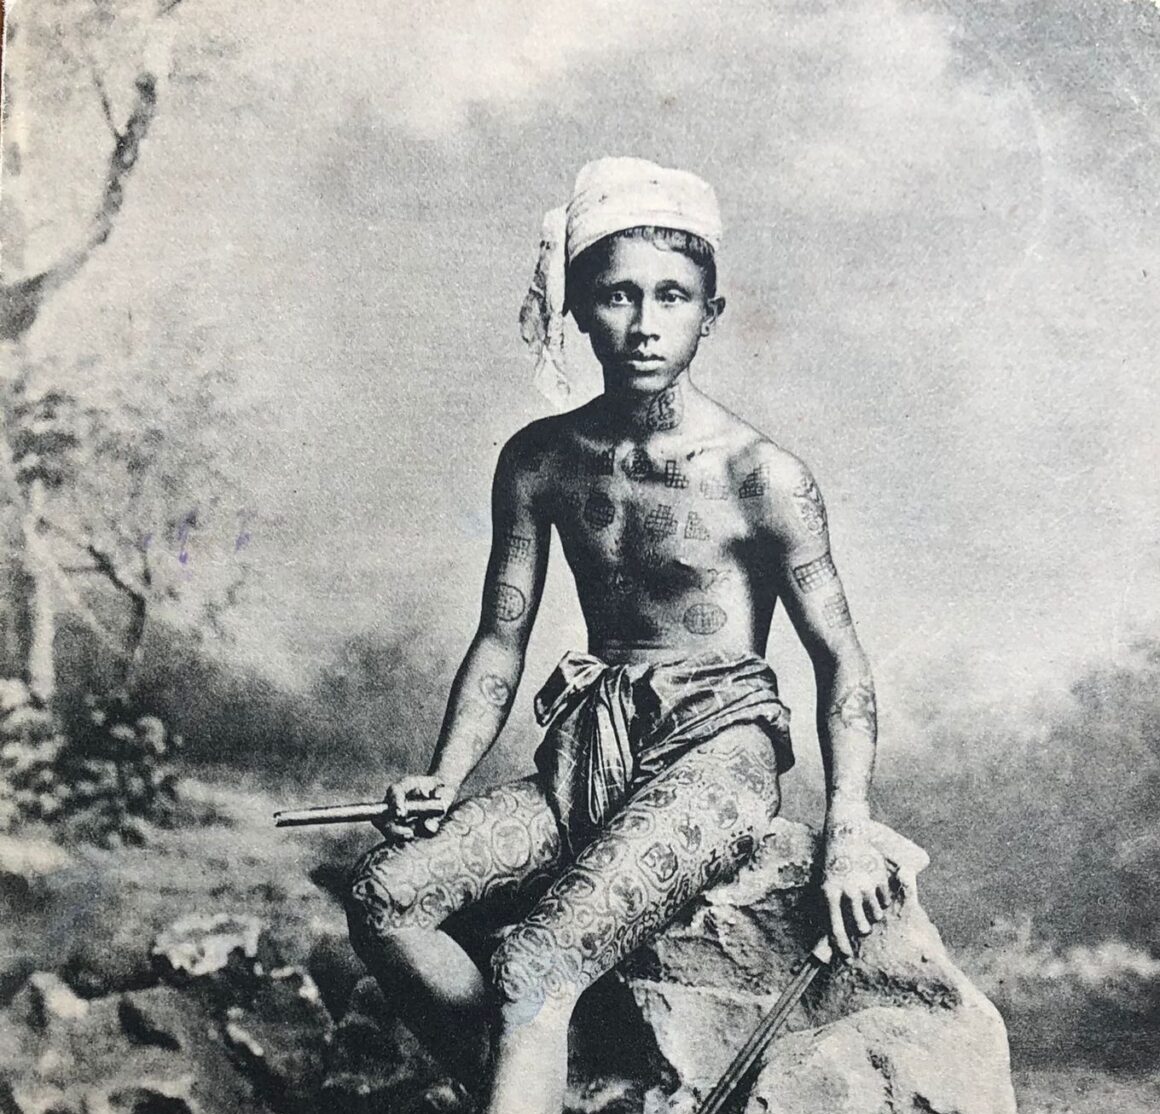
[646,380]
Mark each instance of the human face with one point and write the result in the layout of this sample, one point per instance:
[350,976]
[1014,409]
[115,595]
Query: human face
[646,315]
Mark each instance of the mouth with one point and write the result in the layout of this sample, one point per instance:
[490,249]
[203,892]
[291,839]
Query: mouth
[644,359]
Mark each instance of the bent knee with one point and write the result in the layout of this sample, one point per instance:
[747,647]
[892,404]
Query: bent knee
[385,895]
[535,977]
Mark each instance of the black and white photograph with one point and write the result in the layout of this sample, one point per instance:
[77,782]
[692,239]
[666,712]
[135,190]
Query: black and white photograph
[590,558]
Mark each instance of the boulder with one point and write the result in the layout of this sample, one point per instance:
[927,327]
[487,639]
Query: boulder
[374,1062]
[898,1028]
[223,952]
[226,1033]
[281,1035]
[148,1052]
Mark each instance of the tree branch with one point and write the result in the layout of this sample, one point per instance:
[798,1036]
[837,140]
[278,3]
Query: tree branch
[85,614]
[20,302]
[103,562]
[102,96]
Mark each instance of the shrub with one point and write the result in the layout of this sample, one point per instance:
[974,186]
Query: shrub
[100,777]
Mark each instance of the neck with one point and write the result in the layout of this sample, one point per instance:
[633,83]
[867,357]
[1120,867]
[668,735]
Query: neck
[639,413]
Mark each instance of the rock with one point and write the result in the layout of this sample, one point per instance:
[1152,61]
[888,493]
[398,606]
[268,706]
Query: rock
[336,969]
[444,1097]
[898,1027]
[158,1017]
[150,1052]
[374,1062]
[29,858]
[223,953]
[45,999]
[281,1037]
[889,1058]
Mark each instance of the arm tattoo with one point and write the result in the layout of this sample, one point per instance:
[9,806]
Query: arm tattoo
[815,574]
[517,548]
[510,602]
[666,410]
[715,489]
[495,690]
[809,504]
[856,709]
[755,484]
[837,613]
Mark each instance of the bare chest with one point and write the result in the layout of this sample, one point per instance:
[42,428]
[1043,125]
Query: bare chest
[669,519]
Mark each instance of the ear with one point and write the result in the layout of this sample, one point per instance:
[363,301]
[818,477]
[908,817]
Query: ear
[714,307]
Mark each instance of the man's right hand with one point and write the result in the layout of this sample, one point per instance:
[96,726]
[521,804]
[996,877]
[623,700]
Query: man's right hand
[418,804]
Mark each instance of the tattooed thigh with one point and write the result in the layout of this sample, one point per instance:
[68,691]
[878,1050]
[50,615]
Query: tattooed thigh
[494,846]
[688,828]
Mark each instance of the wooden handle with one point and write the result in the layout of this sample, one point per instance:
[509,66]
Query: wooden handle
[331,814]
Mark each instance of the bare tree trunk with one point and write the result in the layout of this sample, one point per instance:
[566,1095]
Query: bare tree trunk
[41,662]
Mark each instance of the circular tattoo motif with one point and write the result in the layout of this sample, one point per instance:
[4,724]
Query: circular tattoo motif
[704,618]
[496,691]
[512,845]
[510,602]
[599,511]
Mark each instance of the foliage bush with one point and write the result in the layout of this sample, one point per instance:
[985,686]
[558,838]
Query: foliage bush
[102,777]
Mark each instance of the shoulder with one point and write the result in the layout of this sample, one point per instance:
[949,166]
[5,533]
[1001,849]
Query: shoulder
[525,450]
[526,464]
[780,485]
[539,442]
[782,472]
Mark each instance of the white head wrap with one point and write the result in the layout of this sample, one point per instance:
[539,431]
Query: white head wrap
[609,196]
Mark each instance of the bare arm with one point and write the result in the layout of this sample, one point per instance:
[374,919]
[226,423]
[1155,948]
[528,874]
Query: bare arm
[809,583]
[486,682]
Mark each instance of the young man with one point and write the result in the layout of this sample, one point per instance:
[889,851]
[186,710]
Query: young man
[658,773]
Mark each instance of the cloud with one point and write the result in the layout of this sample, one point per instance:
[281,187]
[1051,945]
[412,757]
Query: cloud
[427,66]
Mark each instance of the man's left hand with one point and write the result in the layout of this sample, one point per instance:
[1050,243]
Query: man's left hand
[855,880]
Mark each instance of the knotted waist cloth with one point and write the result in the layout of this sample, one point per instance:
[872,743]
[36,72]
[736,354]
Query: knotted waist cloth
[612,728]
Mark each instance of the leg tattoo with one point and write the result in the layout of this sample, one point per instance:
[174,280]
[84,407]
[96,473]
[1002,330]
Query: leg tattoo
[497,845]
[687,829]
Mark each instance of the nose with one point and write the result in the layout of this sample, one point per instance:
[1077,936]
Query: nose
[644,322]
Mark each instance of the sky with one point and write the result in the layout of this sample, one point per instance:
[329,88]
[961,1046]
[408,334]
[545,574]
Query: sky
[941,261]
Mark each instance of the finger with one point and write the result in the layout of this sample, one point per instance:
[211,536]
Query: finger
[882,892]
[430,826]
[422,807]
[908,883]
[837,923]
[859,915]
[402,832]
[394,799]
[874,911]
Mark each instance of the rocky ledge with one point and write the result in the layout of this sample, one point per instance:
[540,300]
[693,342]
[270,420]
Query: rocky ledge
[224,1025]
[899,1029]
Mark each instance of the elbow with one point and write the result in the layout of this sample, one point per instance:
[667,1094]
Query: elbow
[501,647]
[831,661]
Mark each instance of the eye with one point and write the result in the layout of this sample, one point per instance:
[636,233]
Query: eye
[616,298]
[672,297]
